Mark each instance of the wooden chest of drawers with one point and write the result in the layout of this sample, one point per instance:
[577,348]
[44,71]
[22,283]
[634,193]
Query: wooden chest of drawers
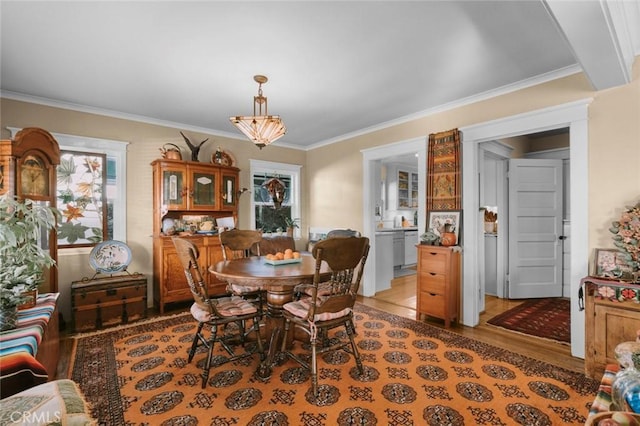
[438,285]
[109,301]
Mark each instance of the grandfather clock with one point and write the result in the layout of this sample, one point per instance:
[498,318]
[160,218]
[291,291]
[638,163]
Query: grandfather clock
[28,170]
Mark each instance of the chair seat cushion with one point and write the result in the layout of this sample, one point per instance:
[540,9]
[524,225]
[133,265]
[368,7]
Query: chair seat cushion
[324,289]
[243,289]
[300,308]
[227,306]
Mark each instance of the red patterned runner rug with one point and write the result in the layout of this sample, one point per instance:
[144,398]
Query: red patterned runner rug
[414,374]
[544,318]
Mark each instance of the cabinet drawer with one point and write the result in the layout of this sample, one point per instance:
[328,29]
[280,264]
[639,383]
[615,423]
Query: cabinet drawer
[433,261]
[432,282]
[432,304]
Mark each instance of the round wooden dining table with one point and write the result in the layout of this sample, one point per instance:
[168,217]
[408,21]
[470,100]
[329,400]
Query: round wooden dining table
[278,281]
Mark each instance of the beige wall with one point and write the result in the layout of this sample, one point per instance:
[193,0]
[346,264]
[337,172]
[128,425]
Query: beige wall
[614,150]
[144,143]
[332,175]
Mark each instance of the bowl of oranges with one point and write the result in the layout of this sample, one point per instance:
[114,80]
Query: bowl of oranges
[283,257]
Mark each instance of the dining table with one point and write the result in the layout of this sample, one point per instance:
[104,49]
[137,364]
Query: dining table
[278,280]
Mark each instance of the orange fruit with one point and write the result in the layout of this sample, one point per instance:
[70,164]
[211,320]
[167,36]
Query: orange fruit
[288,255]
[279,255]
[296,255]
[288,251]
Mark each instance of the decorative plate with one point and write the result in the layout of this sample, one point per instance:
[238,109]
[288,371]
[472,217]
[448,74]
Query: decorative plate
[110,256]
[212,232]
[225,159]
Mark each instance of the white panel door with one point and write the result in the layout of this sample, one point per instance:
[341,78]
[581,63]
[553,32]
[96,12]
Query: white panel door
[535,228]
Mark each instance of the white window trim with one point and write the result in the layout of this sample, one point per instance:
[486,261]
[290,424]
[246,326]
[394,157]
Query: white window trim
[260,166]
[111,148]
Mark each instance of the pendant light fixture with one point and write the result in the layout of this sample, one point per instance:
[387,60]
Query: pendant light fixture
[261,129]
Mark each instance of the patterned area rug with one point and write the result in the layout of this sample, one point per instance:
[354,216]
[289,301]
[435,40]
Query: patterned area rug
[414,374]
[545,318]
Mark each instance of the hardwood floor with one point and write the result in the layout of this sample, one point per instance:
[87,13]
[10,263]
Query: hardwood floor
[400,299]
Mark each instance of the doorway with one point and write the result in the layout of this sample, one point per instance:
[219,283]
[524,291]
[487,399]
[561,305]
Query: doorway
[572,115]
[371,160]
[541,161]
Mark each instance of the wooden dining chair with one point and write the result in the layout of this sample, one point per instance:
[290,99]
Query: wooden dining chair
[238,244]
[216,313]
[328,304]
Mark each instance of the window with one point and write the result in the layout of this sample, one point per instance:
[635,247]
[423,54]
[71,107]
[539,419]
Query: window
[116,165]
[82,199]
[265,215]
[115,184]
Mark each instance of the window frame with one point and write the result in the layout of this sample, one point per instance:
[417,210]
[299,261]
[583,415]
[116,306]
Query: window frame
[260,167]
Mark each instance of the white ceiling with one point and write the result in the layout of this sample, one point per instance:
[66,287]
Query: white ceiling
[335,69]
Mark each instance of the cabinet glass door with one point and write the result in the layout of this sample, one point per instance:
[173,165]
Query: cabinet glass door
[228,192]
[414,190]
[203,190]
[173,192]
[403,190]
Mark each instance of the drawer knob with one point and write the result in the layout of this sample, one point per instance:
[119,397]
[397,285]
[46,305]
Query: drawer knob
[432,273]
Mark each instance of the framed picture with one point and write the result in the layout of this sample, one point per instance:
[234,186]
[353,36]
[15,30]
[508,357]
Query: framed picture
[438,220]
[610,264]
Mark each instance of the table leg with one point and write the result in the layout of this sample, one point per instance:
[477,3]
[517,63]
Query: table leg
[276,298]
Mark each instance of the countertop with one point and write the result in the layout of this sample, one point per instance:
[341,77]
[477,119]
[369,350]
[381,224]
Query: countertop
[408,228]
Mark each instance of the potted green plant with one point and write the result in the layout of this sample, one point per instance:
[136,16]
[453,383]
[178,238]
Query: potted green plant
[291,225]
[22,257]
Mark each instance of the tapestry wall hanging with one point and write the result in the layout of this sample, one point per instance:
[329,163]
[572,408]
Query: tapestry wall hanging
[443,171]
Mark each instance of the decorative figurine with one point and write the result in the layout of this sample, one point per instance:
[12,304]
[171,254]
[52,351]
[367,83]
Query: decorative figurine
[276,188]
[195,150]
[217,157]
[429,238]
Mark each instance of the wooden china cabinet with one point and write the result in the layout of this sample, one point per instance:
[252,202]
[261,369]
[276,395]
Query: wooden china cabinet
[188,193]
[28,170]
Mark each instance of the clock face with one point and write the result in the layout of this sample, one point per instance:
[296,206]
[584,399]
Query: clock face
[34,177]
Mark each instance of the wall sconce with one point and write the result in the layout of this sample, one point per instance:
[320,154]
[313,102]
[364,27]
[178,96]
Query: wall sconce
[242,191]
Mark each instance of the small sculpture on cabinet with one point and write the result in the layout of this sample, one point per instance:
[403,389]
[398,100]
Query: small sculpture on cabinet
[195,149]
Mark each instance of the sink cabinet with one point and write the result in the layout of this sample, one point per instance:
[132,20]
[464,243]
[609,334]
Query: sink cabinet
[410,253]
[398,248]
